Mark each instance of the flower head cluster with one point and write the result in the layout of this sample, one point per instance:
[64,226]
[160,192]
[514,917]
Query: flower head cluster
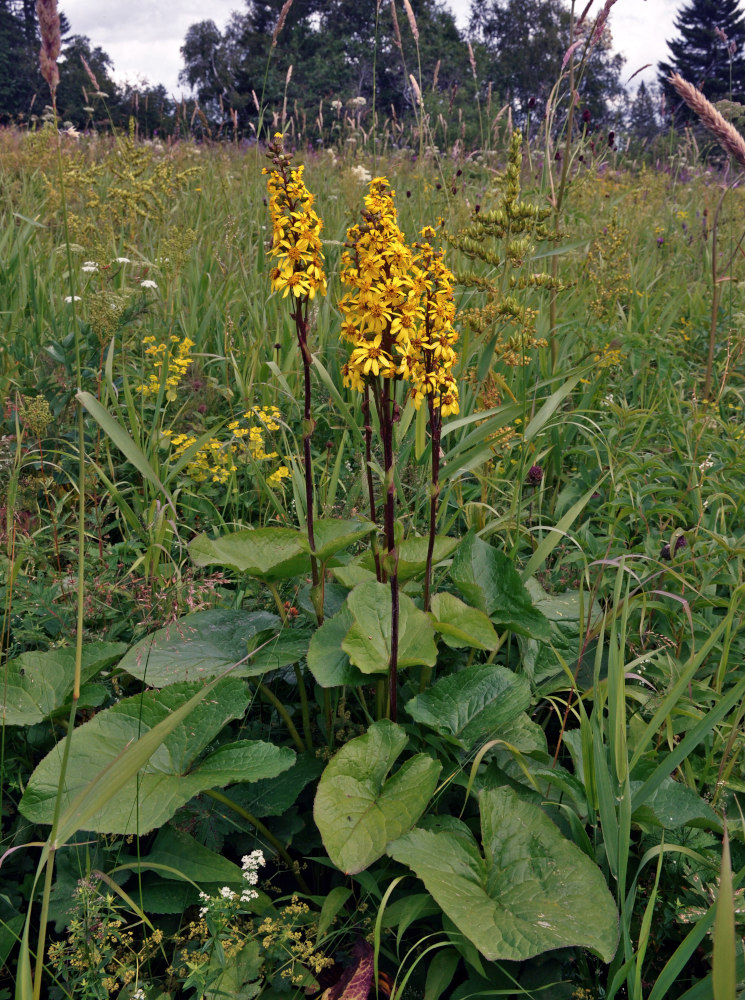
[398,314]
[382,309]
[432,368]
[296,229]
[174,356]
[217,459]
[250,864]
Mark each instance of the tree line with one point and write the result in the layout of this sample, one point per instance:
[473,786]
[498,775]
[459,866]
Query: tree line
[319,64]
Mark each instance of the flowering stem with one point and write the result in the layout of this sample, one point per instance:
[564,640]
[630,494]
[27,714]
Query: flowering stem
[435,427]
[386,403]
[369,479]
[301,327]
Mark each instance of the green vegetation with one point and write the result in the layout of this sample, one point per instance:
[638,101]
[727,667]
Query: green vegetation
[372,569]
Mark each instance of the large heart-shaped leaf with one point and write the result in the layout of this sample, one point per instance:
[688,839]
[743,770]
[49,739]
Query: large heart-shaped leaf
[412,555]
[205,643]
[331,535]
[356,810]
[267,553]
[473,704]
[489,581]
[460,625]
[327,661]
[173,774]
[368,641]
[35,685]
[532,891]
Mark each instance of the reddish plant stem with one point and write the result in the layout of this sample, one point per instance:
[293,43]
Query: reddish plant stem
[369,478]
[435,427]
[301,327]
[386,403]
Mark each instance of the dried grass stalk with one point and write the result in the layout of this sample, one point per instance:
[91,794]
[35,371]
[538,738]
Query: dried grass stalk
[396,29]
[726,135]
[51,41]
[415,88]
[281,21]
[91,74]
[412,20]
[472,60]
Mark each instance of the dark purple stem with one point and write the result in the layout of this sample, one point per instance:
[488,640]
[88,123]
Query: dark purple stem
[435,425]
[301,327]
[368,473]
[385,405]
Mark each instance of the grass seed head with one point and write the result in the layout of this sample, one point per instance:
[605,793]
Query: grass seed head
[726,135]
[51,40]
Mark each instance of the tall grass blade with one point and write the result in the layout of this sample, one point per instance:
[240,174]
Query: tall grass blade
[724,979]
[124,442]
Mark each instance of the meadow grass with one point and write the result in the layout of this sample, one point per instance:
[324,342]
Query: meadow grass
[608,468]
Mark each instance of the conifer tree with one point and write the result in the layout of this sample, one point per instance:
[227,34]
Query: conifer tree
[643,120]
[709,52]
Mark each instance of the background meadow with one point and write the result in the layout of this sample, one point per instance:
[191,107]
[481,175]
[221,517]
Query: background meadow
[588,579]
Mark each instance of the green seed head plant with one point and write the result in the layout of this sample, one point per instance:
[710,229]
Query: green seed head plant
[505,238]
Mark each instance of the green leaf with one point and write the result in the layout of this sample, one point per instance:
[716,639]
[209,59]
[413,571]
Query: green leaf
[473,704]
[333,903]
[170,776]
[267,553]
[352,574]
[673,805]
[36,684]
[239,978]
[405,911]
[460,625]
[205,643]
[724,965]
[368,641]
[489,581]
[412,555]
[356,810]
[440,973]
[557,535]
[275,796]
[177,855]
[332,536]
[123,440]
[532,891]
[327,661]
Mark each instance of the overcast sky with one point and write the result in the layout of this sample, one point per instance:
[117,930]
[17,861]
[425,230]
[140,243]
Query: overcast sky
[143,37]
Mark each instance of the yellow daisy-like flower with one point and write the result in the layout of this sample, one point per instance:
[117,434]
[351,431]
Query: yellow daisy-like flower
[296,230]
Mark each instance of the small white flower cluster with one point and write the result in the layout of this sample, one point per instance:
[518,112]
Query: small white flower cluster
[706,464]
[337,105]
[72,298]
[90,267]
[139,994]
[361,174]
[250,864]
[358,102]
[148,283]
